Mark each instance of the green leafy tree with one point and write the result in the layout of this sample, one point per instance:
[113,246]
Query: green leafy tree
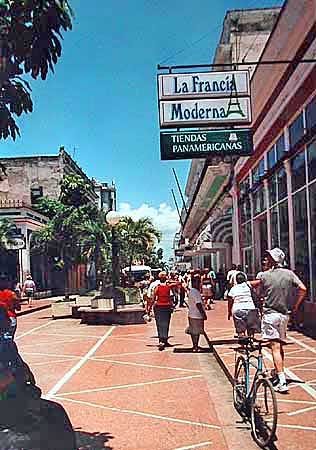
[74,191]
[7,228]
[30,43]
[137,239]
[77,230]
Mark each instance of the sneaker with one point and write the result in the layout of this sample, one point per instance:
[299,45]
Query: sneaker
[282,388]
[274,378]
[167,344]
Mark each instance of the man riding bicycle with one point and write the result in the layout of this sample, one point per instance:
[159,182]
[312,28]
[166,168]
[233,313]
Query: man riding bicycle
[276,284]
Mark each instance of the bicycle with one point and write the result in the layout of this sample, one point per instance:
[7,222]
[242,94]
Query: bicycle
[256,399]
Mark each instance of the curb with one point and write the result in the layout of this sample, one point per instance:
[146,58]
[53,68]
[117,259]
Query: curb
[223,366]
[30,311]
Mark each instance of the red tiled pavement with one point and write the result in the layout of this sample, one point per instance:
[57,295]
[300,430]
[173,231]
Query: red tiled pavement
[121,393]
[297,410]
[114,382]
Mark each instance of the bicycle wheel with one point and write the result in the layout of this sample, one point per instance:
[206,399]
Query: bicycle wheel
[263,412]
[239,386]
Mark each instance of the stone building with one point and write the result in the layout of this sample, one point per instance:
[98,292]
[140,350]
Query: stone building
[22,181]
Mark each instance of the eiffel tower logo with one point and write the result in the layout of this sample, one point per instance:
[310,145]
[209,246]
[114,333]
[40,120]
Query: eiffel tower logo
[234,103]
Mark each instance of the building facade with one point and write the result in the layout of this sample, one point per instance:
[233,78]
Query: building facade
[106,195]
[208,216]
[23,180]
[273,193]
[275,189]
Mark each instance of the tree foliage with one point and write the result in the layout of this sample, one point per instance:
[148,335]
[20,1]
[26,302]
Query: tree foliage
[77,230]
[30,43]
[137,239]
[7,229]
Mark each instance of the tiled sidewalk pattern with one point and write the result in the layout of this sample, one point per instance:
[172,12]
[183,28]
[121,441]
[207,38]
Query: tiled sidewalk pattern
[121,393]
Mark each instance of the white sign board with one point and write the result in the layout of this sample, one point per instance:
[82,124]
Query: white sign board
[199,85]
[204,112]
[15,244]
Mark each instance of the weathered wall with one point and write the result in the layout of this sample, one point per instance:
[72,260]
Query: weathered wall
[23,174]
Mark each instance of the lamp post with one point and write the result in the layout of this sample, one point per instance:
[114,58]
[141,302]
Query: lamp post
[113,218]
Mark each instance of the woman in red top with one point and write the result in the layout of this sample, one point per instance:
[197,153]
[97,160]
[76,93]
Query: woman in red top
[163,307]
[10,302]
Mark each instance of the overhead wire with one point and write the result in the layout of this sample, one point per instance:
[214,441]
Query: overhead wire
[251,5]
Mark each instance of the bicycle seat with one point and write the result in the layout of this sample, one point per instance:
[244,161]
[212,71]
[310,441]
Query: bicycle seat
[244,340]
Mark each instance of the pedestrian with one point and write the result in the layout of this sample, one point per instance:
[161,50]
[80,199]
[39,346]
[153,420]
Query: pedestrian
[220,276]
[144,285]
[29,289]
[182,291]
[196,313]
[207,289]
[277,284]
[10,302]
[231,276]
[17,289]
[242,308]
[163,307]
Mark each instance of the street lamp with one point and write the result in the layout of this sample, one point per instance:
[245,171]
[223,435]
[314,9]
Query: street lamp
[113,218]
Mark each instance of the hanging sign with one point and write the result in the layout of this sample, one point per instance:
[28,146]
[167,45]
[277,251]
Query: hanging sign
[15,243]
[202,144]
[207,99]
[204,112]
[206,84]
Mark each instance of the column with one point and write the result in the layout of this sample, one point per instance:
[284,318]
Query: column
[236,250]
[266,192]
[287,166]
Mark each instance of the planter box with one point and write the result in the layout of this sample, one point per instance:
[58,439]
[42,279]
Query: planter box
[83,301]
[62,309]
[102,303]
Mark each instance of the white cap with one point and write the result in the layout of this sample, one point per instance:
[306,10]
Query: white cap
[277,255]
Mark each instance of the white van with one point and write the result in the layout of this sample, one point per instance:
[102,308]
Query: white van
[138,272]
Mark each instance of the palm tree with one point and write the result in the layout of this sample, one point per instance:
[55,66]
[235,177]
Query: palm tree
[137,238]
[95,241]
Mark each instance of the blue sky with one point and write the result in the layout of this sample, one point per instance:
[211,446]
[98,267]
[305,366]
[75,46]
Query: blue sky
[101,103]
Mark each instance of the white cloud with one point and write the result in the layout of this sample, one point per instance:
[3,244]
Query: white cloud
[164,218]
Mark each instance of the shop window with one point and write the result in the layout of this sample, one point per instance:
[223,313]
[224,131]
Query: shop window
[244,186]
[296,130]
[272,158]
[246,235]
[259,201]
[275,227]
[248,261]
[310,114]
[298,171]
[280,147]
[282,184]
[245,210]
[300,235]
[272,188]
[284,226]
[255,175]
[311,161]
[258,172]
[312,197]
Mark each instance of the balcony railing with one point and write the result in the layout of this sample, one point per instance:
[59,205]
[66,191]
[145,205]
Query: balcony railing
[12,204]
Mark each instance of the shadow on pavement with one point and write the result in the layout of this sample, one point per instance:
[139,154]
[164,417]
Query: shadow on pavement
[92,441]
[35,424]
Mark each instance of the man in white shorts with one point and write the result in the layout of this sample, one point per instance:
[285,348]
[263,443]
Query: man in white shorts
[277,286]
